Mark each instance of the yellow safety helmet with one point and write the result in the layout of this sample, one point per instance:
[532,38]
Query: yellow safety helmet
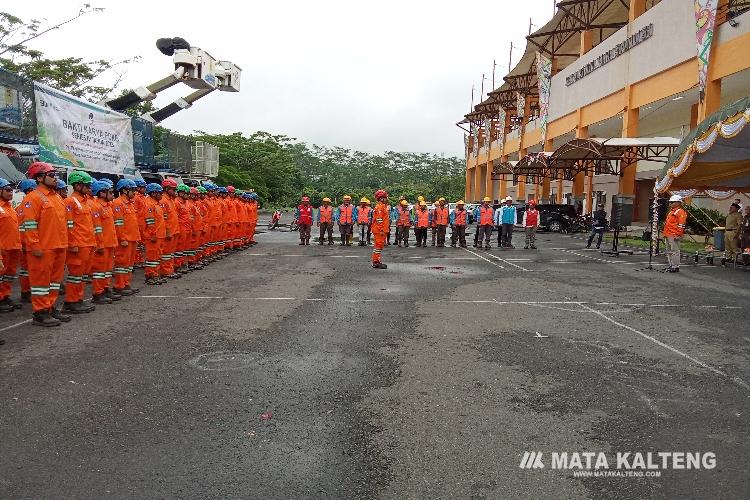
[441,199]
[420,198]
[460,202]
[404,203]
[327,199]
[347,197]
[422,203]
[364,200]
[487,198]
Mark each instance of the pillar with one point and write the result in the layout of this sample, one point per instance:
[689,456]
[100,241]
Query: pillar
[560,191]
[548,146]
[489,186]
[590,193]
[628,166]
[582,132]
[503,180]
[637,8]
[587,41]
[711,101]
[477,194]
[467,188]
[694,115]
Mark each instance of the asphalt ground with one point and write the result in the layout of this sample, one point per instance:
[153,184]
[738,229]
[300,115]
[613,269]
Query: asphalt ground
[300,372]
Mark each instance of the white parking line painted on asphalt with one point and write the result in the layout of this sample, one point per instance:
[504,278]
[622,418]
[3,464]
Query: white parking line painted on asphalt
[484,258]
[658,342]
[505,261]
[15,325]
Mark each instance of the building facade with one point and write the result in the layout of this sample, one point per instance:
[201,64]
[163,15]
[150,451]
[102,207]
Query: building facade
[618,69]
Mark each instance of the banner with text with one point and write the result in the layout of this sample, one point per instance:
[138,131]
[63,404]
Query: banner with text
[705,19]
[77,134]
[544,79]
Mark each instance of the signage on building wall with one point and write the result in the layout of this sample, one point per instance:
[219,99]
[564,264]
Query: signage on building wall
[621,48]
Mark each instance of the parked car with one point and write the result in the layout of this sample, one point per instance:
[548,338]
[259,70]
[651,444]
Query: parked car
[158,177]
[553,217]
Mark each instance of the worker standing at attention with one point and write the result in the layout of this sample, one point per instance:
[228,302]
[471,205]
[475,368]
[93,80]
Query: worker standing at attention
[530,224]
[363,216]
[10,247]
[304,216]
[345,219]
[44,231]
[441,221]
[458,221]
[81,242]
[403,223]
[421,223]
[325,221]
[380,226]
[486,223]
[674,230]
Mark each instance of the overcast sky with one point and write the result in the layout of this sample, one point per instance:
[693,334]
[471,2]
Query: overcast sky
[374,76]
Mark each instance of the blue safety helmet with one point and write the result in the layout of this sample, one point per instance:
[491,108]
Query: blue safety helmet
[4,183]
[107,181]
[153,188]
[124,184]
[26,185]
[139,183]
[253,196]
[61,184]
[223,190]
[98,186]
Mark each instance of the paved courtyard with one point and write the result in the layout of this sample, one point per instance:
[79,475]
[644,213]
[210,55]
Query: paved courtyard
[296,372]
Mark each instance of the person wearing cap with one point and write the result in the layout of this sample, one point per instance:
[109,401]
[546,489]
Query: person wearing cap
[458,221]
[253,217]
[44,225]
[82,242]
[10,247]
[732,227]
[477,233]
[62,189]
[380,227]
[128,235]
[442,217]
[599,224]
[203,226]
[403,224]
[531,224]
[674,229]
[345,220]
[363,216]
[433,224]
[506,221]
[304,217]
[139,202]
[185,219]
[155,232]
[172,224]
[486,223]
[199,228]
[421,223]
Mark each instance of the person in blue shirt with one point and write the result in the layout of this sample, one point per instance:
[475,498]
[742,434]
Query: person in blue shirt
[505,219]
[475,215]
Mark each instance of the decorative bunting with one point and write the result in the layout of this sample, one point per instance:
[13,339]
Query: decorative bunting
[544,81]
[705,20]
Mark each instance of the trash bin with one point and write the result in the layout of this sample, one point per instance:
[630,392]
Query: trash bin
[719,238]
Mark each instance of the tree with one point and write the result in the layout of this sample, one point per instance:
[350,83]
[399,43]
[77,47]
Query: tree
[70,74]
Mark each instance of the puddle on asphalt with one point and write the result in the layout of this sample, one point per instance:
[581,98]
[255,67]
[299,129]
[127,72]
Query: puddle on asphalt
[224,361]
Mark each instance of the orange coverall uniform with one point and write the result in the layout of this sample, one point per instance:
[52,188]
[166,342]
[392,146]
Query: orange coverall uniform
[104,257]
[43,224]
[139,202]
[81,245]
[153,237]
[10,247]
[185,220]
[381,224]
[126,228]
[253,219]
[172,225]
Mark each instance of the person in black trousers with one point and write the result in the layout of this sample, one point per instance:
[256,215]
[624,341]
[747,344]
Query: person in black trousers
[598,226]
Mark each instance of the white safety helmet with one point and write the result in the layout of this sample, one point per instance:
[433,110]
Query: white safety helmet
[508,198]
[675,197]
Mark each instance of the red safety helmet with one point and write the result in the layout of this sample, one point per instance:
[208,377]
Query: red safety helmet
[381,193]
[532,202]
[38,168]
[231,189]
[193,190]
[305,198]
[169,183]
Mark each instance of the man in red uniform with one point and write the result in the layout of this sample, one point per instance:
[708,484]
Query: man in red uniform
[10,247]
[253,217]
[81,242]
[325,221]
[381,223]
[155,232]
[185,218]
[172,224]
[139,202]
[674,230]
[128,235]
[304,217]
[44,231]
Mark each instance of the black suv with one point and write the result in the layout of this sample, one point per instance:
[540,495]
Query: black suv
[553,217]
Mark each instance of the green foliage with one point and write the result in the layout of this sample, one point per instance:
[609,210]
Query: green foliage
[703,220]
[281,170]
[70,74]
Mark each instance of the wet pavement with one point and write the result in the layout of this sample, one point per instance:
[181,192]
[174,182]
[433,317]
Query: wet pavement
[300,372]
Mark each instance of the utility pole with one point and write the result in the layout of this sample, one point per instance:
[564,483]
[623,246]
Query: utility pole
[481,94]
[530,25]
[471,108]
[494,65]
[510,58]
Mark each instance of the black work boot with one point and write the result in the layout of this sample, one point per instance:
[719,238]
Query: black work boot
[26,297]
[112,295]
[6,307]
[59,316]
[42,318]
[137,290]
[123,291]
[379,265]
[75,308]
[101,299]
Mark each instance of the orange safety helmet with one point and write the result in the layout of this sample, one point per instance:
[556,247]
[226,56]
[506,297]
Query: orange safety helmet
[305,198]
[38,168]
